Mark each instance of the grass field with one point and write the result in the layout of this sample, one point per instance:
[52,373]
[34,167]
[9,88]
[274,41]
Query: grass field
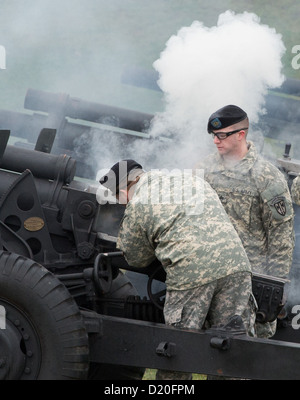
[150,375]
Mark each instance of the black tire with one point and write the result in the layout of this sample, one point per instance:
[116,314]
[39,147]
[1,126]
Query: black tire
[45,336]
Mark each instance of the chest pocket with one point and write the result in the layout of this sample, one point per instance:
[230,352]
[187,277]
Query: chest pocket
[238,204]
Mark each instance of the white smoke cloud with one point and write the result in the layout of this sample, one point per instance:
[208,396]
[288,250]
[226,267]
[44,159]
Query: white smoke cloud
[202,69]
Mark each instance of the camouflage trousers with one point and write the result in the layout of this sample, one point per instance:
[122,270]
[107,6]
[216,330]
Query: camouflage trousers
[211,304]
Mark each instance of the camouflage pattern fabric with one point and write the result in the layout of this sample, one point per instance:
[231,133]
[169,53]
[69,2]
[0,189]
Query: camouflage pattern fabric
[265,330]
[212,304]
[256,197]
[295,191]
[193,239]
[197,245]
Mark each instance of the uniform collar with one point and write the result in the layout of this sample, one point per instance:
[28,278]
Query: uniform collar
[243,166]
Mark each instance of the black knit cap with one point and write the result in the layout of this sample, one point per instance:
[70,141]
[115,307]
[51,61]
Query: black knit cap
[225,116]
[118,174]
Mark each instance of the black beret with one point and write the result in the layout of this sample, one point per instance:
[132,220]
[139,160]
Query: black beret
[225,116]
[118,173]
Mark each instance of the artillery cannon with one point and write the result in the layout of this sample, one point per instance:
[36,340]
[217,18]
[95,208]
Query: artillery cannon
[70,310]
[52,228]
[64,120]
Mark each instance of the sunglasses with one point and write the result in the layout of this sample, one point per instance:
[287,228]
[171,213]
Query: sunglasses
[224,135]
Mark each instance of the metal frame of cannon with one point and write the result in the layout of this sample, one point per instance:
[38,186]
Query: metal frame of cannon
[51,225]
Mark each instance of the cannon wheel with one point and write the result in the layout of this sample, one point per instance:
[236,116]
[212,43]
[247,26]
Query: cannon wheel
[44,336]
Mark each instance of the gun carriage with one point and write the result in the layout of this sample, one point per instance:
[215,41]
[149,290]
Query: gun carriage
[70,306]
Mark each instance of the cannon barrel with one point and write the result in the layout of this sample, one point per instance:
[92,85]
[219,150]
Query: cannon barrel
[42,165]
[45,188]
[76,108]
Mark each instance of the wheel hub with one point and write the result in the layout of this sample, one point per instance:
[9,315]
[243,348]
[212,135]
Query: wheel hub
[20,353]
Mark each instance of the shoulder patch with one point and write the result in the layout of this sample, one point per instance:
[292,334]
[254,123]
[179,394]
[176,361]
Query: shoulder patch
[279,204]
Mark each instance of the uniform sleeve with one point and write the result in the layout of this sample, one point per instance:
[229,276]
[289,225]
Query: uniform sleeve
[278,220]
[295,190]
[133,240]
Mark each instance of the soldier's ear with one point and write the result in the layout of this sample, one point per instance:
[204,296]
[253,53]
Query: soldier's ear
[242,134]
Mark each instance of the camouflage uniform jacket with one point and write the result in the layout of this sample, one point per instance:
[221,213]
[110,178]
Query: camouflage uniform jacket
[195,244]
[256,197]
[295,190]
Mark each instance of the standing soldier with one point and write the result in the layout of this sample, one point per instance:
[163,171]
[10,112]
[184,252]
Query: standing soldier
[295,190]
[254,194]
[207,270]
